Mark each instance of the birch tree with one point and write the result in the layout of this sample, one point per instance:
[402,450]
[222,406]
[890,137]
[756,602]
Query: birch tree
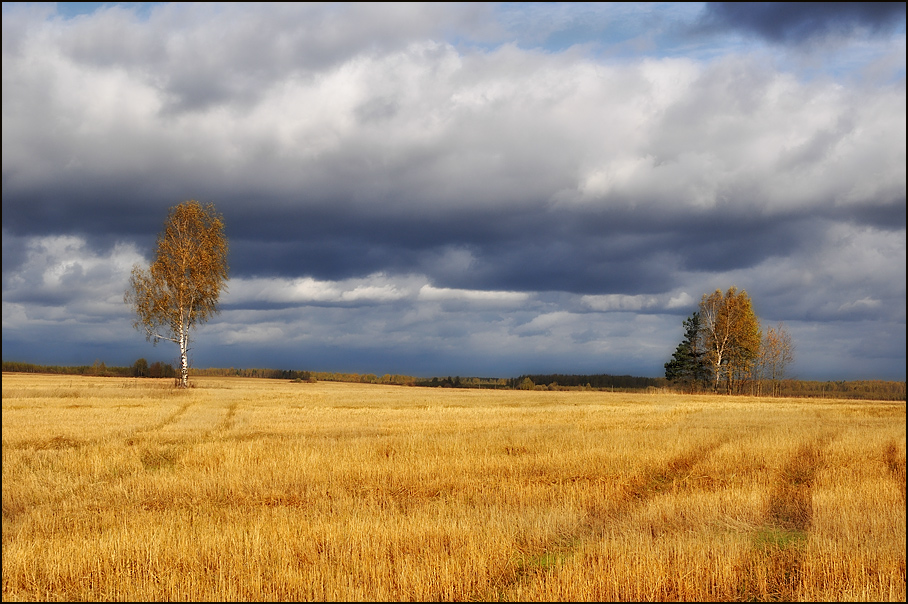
[181,287]
[731,336]
[777,354]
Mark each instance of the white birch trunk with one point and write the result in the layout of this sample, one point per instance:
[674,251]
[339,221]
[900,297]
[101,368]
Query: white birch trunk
[184,359]
[184,350]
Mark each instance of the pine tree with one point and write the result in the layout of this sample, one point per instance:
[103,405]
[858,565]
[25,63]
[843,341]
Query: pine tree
[687,367]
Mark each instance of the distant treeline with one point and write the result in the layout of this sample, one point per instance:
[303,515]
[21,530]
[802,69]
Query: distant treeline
[600,381]
[140,368]
[464,382]
[880,390]
[859,389]
[309,376]
[273,374]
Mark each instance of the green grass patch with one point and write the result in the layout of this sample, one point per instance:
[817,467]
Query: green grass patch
[774,538]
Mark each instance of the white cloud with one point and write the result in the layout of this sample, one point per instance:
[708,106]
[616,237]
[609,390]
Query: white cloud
[64,266]
[638,302]
[681,300]
[862,304]
[620,302]
[376,288]
[430,293]
[451,127]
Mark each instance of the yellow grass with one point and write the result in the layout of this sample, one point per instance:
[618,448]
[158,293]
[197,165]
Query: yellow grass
[246,489]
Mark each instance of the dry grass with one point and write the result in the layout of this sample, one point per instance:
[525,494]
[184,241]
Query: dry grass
[245,489]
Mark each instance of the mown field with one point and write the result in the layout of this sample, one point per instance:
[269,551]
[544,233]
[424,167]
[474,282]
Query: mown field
[253,489]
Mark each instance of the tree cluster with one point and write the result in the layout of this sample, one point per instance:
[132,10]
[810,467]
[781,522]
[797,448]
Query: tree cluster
[725,350]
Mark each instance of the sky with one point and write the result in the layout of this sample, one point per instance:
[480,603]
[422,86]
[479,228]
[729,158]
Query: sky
[472,189]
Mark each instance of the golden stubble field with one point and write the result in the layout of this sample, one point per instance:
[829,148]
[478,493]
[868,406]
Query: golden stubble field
[247,489]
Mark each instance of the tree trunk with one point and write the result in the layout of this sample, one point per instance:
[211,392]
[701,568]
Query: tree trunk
[184,358]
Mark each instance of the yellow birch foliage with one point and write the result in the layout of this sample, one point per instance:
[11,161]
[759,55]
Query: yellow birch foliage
[732,336]
[181,287]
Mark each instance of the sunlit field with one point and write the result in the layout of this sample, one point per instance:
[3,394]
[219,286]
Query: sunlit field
[251,489]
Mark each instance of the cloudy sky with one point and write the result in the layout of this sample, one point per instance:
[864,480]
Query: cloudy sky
[460,189]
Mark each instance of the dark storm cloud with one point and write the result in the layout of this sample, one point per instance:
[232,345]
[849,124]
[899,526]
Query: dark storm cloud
[801,22]
[581,252]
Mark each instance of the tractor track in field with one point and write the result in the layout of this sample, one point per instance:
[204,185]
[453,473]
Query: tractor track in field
[894,459]
[224,424]
[227,422]
[773,568]
[636,491]
[159,426]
